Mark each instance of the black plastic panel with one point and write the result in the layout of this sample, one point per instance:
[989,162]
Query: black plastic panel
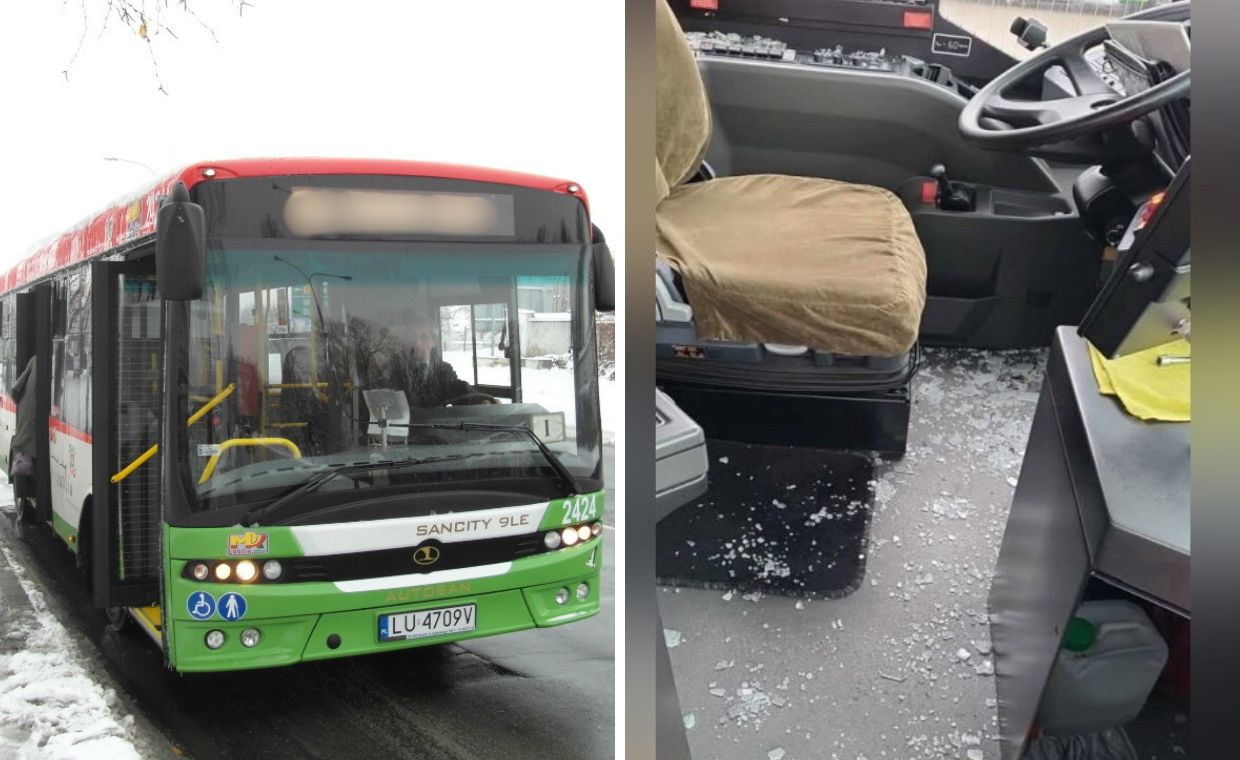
[875,421]
[1147,295]
[1007,274]
[855,24]
[254,207]
[858,126]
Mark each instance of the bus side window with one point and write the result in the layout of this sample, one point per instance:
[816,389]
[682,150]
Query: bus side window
[60,308]
[4,346]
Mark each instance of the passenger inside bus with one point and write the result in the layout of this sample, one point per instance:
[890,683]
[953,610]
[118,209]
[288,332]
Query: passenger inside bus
[418,369]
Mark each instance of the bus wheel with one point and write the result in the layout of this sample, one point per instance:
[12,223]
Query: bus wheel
[113,647]
[118,618]
[85,547]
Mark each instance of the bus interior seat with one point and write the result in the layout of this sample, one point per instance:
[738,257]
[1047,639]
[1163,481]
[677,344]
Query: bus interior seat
[301,404]
[774,258]
[247,389]
[394,405]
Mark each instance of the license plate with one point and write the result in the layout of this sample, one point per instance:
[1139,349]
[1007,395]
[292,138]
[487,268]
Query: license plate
[401,626]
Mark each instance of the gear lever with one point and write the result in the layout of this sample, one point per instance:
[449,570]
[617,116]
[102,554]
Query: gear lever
[951,196]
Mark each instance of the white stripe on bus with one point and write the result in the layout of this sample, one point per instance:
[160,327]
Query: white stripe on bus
[424,579]
[452,527]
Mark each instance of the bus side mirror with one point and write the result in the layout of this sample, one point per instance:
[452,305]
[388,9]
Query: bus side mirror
[604,271]
[180,247]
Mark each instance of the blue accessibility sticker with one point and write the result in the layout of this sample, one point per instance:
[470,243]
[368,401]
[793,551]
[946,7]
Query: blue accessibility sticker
[232,606]
[201,605]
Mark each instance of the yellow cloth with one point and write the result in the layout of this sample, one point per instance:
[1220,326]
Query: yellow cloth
[1146,390]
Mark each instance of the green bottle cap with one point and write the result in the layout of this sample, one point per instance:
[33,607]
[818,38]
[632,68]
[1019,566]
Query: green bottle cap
[1080,635]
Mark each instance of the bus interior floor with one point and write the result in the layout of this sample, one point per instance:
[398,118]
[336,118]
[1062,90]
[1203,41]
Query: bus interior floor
[776,520]
[903,666]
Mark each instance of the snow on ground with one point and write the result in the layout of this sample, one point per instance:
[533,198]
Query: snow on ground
[50,707]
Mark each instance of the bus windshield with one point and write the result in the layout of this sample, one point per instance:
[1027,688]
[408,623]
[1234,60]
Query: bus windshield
[315,355]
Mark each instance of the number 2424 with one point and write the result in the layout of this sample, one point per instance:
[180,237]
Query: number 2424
[581,509]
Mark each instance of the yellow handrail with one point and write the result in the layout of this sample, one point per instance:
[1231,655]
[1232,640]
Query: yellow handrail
[320,384]
[135,464]
[209,470]
[214,402]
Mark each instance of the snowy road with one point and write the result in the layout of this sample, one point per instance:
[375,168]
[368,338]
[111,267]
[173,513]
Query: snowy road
[55,699]
[547,693]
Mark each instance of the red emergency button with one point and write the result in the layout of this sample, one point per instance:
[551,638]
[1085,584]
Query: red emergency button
[918,20]
[1147,212]
[929,191]
[704,5]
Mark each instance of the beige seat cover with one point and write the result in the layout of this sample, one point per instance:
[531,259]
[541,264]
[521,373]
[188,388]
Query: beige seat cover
[776,259]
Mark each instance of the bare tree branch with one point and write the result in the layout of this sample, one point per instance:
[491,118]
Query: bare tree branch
[81,39]
[146,24]
[190,11]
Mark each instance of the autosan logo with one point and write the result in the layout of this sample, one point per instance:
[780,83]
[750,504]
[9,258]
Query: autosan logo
[426,555]
[133,219]
[245,544]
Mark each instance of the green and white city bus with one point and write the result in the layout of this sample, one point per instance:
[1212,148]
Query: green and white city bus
[295,409]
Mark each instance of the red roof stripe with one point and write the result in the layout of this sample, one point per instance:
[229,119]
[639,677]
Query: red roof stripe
[136,218]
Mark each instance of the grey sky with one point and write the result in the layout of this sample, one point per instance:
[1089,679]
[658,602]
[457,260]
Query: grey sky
[535,85]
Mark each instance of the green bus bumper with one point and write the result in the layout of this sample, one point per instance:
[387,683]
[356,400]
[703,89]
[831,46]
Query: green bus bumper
[517,600]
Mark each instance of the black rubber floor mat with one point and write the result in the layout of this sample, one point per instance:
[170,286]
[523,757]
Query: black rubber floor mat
[776,519]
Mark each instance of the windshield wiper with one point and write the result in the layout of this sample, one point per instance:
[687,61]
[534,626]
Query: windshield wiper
[252,517]
[569,481]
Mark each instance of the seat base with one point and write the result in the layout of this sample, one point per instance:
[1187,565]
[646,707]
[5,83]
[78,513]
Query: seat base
[852,421]
[681,356]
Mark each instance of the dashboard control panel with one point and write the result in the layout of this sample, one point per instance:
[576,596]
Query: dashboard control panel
[757,47]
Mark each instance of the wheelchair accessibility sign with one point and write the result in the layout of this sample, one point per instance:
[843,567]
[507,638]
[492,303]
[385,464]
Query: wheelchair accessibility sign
[201,605]
[232,606]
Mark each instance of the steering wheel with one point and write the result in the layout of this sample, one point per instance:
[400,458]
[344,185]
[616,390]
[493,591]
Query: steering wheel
[1094,108]
[472,394]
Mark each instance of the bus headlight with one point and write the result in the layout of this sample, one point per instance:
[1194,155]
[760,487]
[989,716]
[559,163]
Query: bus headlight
[250,638]
[583,591]
[246,571]
[201,571]
[562,538]
[561,596]
[272,570]
[223,571]
[214,639]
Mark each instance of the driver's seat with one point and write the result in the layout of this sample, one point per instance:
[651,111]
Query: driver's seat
[771,258]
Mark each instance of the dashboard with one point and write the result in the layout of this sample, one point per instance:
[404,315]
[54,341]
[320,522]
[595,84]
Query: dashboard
[756,47]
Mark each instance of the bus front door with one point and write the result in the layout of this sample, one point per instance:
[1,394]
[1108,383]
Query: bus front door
[128,357]
[33,333]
